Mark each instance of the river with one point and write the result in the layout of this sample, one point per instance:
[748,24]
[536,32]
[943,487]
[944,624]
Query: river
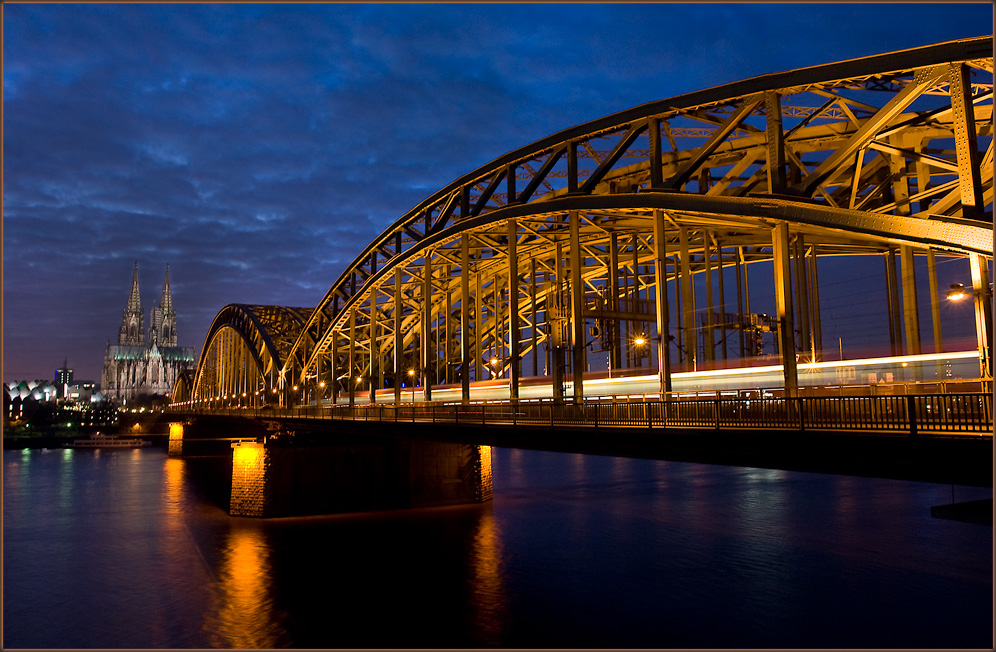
[121,549]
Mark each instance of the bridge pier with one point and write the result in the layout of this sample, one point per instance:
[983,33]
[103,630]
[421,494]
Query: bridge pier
[175,445]
[275,477]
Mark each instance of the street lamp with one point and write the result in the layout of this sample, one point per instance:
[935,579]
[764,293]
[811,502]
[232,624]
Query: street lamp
[411,374]
[957,292]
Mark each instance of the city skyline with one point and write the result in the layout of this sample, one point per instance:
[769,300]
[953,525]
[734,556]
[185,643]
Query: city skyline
[256,149]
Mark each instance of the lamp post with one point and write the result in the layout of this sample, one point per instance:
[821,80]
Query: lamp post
[411,375]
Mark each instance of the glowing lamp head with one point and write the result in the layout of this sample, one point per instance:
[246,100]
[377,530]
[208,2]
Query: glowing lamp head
[494,361]
[639,340]
[411,372]
[957,292]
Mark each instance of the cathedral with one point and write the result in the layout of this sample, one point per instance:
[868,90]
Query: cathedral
[145,364]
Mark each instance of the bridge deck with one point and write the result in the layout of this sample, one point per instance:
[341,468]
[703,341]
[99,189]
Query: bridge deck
[967,414]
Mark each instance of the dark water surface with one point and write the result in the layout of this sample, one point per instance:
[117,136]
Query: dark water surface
[120,549]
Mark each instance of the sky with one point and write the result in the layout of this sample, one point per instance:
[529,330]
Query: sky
[257,148]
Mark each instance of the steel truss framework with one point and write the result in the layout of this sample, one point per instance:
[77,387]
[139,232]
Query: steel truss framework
[609,226]
[244,351]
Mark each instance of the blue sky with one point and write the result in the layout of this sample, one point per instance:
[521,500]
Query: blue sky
[256,148]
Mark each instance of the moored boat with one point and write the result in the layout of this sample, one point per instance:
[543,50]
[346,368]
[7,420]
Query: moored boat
[98,440]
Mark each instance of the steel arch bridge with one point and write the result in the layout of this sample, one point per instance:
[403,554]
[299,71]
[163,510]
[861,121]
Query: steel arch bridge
[596,237]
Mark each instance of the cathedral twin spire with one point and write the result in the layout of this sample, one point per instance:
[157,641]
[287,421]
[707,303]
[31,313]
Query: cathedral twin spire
[163,330]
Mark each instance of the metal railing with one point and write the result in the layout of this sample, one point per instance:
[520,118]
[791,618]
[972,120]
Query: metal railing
[913,415]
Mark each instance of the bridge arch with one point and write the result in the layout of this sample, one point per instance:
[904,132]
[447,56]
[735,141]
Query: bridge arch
[243,353]
[628,237]
[886,155]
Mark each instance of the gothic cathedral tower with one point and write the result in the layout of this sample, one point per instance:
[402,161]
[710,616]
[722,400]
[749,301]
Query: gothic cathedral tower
[132,331]
[163,331]
[138,365]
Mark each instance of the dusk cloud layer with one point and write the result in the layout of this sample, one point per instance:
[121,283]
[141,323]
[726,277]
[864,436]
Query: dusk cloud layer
[258,148]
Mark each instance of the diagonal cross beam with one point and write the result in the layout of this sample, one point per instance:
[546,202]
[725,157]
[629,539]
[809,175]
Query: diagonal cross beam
[922,80]
[699,156]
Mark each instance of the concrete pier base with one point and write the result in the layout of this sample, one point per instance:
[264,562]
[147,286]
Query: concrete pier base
[175,443]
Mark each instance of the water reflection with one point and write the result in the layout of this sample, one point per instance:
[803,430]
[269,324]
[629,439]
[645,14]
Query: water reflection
[243,615]
[487,588]
[573,553]
[66,479]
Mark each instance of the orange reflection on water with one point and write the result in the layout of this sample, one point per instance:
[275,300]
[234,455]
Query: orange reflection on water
[244,615]
[487,595]
[173,495]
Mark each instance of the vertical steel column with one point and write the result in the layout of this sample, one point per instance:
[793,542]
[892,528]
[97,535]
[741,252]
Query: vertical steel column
[497,348]
[663,316]
[427,351]
[710,340]
[478,326]
[691,340]
[465,318]
[935,303]
[448,326]
[982,300]
[637,352]
[572,166]
[333,369]
[399,373]
[577,308]
[775,140]
[374,347]
[352,357]
[534,311]
[555,340]
[679,312]
[783,300]
[892,286]
[935,311]
[740,301]
[911,310]
[816,318]
[722,296]
[612,303]
[802,294]
[513,310]
[626,344]
[656,167]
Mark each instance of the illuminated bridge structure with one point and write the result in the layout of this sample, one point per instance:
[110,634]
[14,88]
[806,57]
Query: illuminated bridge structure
[613,258]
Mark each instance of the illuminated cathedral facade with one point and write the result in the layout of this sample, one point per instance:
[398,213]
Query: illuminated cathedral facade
[145,363]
